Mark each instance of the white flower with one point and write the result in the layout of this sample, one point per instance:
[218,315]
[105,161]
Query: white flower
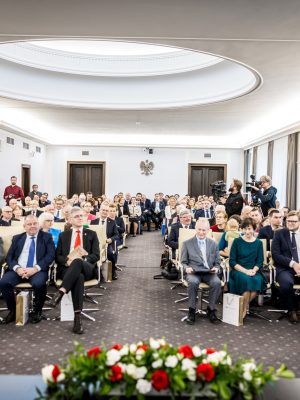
[140,372]
[258,381]
[112,357]
[124,350]
[47,374]
[247,376]
[133,348]
[191,374]
[242,387]
[154,344]
[157,364]
[122,366]
[139,354]
[249,366]
[196,351]
[143,386]
[180,356]
[214,358]
[140,343]
[171,361]
[131,370]
[187,364]
[162,342]
[155,356]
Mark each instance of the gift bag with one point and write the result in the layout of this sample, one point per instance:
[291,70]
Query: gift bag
[22,308]
[66,308]
[233,309]
[106,269]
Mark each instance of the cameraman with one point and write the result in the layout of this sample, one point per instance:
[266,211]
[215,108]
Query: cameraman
[268,196]
[235,201]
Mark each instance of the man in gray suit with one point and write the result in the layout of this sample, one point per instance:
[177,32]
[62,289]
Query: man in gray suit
[201,263]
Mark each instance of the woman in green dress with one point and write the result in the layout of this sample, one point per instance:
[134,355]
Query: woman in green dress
[246,261]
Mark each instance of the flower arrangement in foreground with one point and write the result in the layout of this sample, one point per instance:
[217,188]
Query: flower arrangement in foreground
[156,366]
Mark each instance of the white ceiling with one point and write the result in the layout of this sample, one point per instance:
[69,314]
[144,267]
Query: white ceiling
[263,35]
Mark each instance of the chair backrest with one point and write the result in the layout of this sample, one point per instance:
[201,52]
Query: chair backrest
[17,223]
[6,243]
[217,236]
[264,243]
[101,233]
[11,230]
[184,234]
[209,234]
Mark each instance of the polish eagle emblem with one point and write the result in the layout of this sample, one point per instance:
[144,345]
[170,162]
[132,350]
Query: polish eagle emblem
[146,167]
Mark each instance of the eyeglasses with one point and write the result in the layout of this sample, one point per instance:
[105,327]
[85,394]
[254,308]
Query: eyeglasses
[290,221]
[77,216]
[49,220]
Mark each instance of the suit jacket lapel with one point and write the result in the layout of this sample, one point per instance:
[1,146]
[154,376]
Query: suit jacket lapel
[85,239]
[21,244]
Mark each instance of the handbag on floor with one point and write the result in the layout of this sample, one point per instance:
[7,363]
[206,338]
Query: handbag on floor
[233,309]
[22,308]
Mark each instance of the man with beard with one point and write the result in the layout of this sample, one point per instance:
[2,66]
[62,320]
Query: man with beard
[13,191]
[235,201]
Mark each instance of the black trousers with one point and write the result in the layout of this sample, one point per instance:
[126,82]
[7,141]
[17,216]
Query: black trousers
[112,256]
[73,280]
[286,280]
[38,281]
[157,219]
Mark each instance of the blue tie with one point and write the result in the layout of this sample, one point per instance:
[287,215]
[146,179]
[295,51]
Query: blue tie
[31,252]
[294,248]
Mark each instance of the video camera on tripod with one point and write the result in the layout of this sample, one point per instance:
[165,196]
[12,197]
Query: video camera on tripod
[218,189]
[254,182]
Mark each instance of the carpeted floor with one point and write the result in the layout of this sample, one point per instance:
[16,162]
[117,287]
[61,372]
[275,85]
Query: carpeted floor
[138,307]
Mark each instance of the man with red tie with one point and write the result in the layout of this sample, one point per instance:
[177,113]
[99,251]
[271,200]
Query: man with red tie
[74,270]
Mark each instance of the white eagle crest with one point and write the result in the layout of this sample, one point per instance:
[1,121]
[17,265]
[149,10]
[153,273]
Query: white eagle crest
[146,167]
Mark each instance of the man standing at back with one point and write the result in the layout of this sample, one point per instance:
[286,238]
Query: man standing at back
[201,263]
[112,235]
[28,260]
[13,191]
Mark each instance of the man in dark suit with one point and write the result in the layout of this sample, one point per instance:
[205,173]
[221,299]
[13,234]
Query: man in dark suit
[146,212]
[58,212]
[34,209]
[157,209]
[112,235]
[185,221]
[286,257]
[74,271]
[267,232]
[201,263]
[206,212]
[35,191]
[6,217]
[28,260]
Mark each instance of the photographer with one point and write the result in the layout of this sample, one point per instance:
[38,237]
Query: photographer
[268,196]
[235,201]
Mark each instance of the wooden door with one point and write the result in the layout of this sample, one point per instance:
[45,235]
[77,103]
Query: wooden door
[201,176]
[25,179]
[86,177]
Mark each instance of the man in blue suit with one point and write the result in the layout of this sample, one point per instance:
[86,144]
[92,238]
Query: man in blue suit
[267,232]
[286,256]
[28,260]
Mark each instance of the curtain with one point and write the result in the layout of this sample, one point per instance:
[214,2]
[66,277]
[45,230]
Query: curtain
[270,158]
[291,177]
[254,160]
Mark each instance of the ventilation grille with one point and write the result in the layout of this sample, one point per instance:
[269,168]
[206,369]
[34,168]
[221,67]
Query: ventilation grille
[10,140]
[38,149]
[207,155]
[26,146]
[85,153]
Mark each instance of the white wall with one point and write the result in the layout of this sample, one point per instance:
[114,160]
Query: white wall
[123,172]
[298,174]
[262,160]
[13,156]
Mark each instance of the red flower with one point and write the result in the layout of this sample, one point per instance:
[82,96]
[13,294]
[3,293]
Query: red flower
[93,352]
[143,346]
[205,372]
[160,380]
[117,346]
[116,373]
[55,372]
[210,351]
[186,350]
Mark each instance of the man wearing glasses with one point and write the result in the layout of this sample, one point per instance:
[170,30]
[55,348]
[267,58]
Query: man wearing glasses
[286,256]
[268,196]
[77,266]
[6,216]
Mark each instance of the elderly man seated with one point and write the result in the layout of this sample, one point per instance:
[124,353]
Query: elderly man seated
[6,217]
[201,262]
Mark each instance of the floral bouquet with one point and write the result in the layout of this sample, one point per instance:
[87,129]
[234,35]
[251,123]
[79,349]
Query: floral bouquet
[155,367]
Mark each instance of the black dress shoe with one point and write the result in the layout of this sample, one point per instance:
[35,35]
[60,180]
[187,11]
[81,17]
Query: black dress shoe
[56,299]
[212,316]
[293,317]
[11,317]
[36,317]
[191,318]
[78,328]
[114,277]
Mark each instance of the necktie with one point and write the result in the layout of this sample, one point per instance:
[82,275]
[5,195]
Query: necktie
[57,214]
[77,239]
[103,222]
[207,215]
[294,248]
[30,260]
[186,227]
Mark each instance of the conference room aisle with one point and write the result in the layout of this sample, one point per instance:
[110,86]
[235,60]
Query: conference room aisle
[138,307]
